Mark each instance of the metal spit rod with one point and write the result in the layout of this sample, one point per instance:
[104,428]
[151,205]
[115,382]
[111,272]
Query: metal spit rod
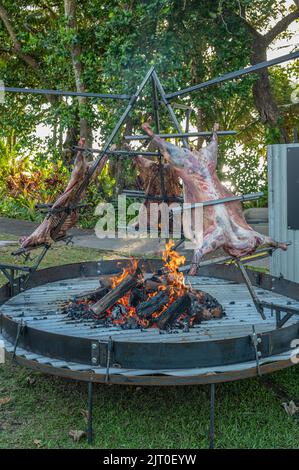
[179,135]
[244,197]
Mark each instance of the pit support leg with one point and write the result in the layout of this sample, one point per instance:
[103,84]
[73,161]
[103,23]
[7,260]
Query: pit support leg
[89,413]
[212,416]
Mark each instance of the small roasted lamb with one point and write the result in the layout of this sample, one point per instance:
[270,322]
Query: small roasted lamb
[44,233]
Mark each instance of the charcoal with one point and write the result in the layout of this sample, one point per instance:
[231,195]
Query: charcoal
[204,307]
[137,296]
[131,324]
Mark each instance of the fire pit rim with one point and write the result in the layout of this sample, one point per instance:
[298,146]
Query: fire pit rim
[80,349]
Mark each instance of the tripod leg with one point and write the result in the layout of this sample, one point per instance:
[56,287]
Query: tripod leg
[89,413]
[212,416]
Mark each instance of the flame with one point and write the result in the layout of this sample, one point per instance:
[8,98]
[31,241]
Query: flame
[172,262]
[175,286]
[115,280]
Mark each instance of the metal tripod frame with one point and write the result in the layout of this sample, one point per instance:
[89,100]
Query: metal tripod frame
[20,283]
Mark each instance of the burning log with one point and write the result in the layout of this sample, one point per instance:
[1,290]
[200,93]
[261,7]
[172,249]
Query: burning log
[153,284]
[106,282]
[162,301]
[173,312]
[154,304]
[117,293]
[137,296]
[93,296]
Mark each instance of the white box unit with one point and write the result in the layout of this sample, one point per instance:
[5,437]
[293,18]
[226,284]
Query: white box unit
[283,177]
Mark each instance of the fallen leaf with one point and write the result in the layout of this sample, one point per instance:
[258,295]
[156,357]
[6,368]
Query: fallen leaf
[76,435]
[5,400]
[290,408]
[37,443]
[30,380]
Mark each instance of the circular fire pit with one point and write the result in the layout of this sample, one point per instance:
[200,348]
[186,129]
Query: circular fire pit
[239,345]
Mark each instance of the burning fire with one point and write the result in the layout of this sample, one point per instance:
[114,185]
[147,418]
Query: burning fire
[146,300]
[175,283]
[115,280]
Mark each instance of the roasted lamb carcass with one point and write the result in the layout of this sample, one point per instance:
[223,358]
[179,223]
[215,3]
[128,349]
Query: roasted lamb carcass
[45,233]
[224,225]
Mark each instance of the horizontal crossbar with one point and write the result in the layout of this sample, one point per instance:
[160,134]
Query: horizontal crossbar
[43,91]
[236,74]
[125,153]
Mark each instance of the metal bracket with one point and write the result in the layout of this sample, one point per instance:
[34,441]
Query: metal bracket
[68,240]
[20,330]
[18,284]
[109,352]
[256,342]
[95,353]
[288,313]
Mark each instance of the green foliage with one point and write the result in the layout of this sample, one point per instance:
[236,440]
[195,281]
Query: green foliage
[188,42]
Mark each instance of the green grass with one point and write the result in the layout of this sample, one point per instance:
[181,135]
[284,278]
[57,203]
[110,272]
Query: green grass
[59,254]
[249,414]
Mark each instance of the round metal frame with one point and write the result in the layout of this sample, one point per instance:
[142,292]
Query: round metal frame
[185,362]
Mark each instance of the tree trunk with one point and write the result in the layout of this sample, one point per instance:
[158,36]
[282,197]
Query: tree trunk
[70,7]
[199,127]
[262,94]
[264,100]
[71,140]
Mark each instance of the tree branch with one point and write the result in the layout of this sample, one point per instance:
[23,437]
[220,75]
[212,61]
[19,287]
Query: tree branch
[281,26]
[53,14]
[242,18]
[17,47]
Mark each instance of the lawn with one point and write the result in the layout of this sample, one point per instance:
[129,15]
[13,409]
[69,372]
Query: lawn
[39,411]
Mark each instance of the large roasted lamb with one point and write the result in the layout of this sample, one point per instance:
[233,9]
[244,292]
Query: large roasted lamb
[224,225]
